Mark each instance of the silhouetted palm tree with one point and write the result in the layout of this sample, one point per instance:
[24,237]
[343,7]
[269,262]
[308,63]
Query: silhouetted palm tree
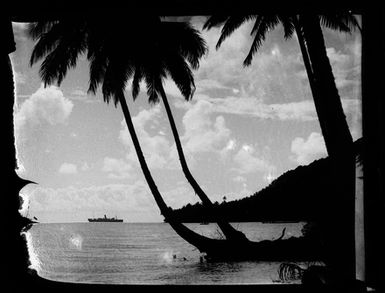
[334,127]
[169,50]
[320,75]
[176,43]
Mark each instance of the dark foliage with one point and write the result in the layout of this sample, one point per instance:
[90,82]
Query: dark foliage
[302,194]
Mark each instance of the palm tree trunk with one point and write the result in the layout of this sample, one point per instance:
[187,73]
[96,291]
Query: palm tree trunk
[340,223]
[164,209]
[309,70]
[328,103]
[204,244]
[228,230]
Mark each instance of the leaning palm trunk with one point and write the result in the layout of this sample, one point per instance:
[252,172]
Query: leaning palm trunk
[339,145]
[328,101]
[309,70]
[219,249]
[228,230]
[190,236]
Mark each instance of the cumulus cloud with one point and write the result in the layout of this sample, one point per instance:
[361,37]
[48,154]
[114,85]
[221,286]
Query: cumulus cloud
[248,106]
[171,88]
[179,195]
[224,64]
[239,178]
[346,67]
[155,147]
[270,77]
[133,201]
[68,168]
[229,148]
[353,111]
[307,150]
[202,133]
[85,167]
[248,161]
[82,96]
[46,105]
[116,168]
[302,110]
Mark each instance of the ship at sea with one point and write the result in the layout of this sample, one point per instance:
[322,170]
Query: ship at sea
[105,219]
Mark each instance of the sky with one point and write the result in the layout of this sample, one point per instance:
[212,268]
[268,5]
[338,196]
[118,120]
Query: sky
[243,128]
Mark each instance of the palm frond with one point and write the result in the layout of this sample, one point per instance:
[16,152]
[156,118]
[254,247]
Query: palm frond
[152,83]
[262,25]
[186,40]
[288,26]
[98,66]
[181,74]
[98,54]
[214,20]
[138,76]
[232,23]
[64,56]
[343,22]
[36,29]
[118,72]
[256,25]
[47,41]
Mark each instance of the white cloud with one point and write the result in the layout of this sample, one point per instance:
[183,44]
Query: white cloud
[240,179]
[82,96]
[68,168]
[295,111]
[230,146]
[353,111]
[302,111]
[346,67]
[270,77]
[179,195]
[306,151]
[46,105]
[156,148]
[117,168]
[79,92]
[85,167]
[203,85]
[269,177]
[247,161]
[202,134]
[133,202]
[170,88]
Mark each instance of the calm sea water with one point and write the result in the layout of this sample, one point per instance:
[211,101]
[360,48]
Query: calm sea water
[143,253]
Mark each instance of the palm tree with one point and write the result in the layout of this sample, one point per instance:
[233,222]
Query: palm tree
[307,28]
[171,56]
[112,65]
[334,127]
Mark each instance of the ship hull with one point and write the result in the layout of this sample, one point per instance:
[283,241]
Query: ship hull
[105,220]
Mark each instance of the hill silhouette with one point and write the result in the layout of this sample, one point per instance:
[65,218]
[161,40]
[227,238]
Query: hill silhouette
[301,194]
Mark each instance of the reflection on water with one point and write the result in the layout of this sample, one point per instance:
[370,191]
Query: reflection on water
[127,253]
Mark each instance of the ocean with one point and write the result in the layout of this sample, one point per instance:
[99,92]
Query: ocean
[144,253]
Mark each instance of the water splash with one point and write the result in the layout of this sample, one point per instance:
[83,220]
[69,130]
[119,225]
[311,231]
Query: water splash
[35,263]
[76,241]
